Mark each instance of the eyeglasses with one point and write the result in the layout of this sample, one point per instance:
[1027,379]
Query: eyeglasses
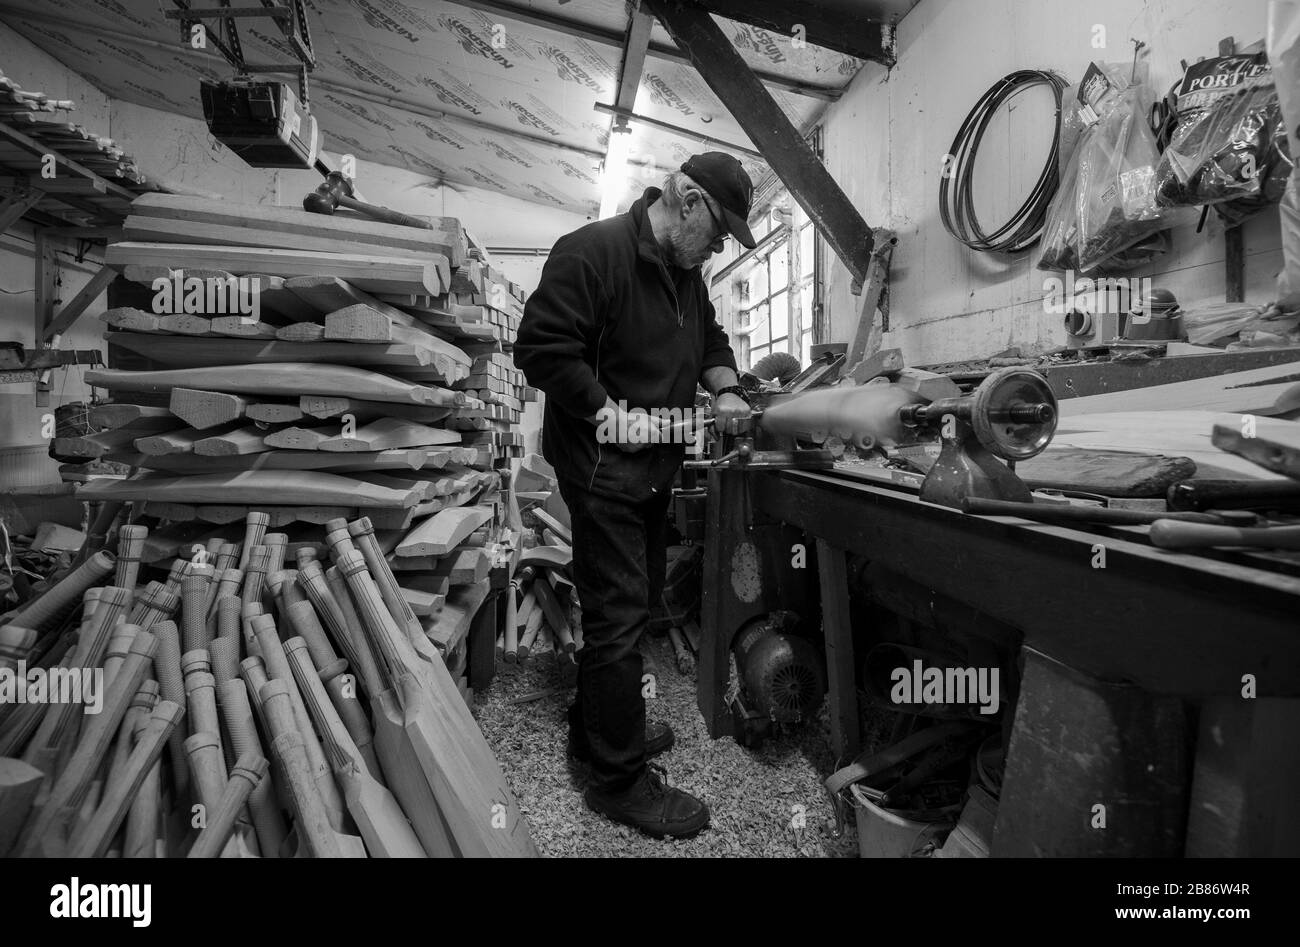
[719,228]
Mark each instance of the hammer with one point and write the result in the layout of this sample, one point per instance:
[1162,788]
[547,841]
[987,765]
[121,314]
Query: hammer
[337,191]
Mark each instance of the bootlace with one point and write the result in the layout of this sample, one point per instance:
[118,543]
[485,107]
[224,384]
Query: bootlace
[656,779]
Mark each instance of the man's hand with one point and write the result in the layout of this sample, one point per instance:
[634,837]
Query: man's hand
[631,431]
[728,408]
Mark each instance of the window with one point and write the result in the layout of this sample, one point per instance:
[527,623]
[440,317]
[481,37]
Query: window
[777,291]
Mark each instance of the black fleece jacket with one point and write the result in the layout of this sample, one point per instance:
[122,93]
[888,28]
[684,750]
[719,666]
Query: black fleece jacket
[611,317]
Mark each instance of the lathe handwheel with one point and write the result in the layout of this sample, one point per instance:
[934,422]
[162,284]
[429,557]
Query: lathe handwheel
[1013,413]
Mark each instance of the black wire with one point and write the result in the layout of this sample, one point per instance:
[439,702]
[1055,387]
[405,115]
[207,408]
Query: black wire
[956,203]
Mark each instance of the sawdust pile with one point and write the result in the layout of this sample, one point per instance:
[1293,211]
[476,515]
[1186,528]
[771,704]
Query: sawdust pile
[757,798]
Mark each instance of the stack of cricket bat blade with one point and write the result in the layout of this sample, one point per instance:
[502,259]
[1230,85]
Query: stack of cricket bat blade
[263,700]
[305,365]
[543,612]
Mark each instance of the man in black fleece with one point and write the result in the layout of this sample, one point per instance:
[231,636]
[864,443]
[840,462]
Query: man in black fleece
[620,329]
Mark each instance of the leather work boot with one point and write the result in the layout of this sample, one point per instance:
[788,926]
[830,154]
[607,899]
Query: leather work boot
[652,806]
[658,739]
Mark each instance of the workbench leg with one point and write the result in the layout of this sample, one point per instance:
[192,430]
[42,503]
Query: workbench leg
[841,667]
[1247,780]
[1094,769]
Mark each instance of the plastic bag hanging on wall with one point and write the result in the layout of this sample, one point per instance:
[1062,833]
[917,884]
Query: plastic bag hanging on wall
[1230,145]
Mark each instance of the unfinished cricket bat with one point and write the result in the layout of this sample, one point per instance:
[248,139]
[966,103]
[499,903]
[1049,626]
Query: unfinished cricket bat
[383,826]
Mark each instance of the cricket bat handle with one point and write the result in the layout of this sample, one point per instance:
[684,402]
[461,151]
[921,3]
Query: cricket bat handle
[237,712]
[313,821]
[1172,534]
[121,793]
[248,773]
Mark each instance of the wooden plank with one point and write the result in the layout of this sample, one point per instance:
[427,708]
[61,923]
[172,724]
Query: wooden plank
[379,274]
[252,486]
[409,459]
[1245,391]
[183,352]
[206,409]
[832,567]
[444,531]
[326,294]
[1173,433]
[162,230]
[1273,444]
[118,414]
[285,378]
[387,433]
[423,604]
[1111,473]
[334,406]
[276,297]
[449,627]
[464,566]
[446,238]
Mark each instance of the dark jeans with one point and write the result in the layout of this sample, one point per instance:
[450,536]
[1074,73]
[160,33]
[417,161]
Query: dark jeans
[618,568]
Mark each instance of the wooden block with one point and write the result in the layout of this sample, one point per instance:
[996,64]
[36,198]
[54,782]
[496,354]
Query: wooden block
[422,362]
[135,320]
[301,332]
[244,440]
[423,604]
[273,412]
[387,433]
[186,324]
[282,378]
[206,409]
[279,300]
[444,531]
[449,627]
[299,438]
[377,273]
[465,566]
[180,441]
[242,327]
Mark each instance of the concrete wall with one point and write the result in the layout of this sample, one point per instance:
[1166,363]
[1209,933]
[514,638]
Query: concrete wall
[886,138]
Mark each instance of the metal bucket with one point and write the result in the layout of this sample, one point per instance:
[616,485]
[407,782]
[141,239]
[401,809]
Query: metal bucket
[895,833]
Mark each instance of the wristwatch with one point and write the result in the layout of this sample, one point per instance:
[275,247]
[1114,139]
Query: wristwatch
[736,390]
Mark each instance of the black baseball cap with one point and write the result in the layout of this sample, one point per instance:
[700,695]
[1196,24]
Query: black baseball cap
[727,183]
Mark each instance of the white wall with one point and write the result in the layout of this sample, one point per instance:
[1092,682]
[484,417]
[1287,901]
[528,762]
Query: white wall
[886,138]
[178,152]
[23,461]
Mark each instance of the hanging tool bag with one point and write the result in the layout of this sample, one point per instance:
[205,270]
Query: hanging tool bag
[1105,215]
[1230,146]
